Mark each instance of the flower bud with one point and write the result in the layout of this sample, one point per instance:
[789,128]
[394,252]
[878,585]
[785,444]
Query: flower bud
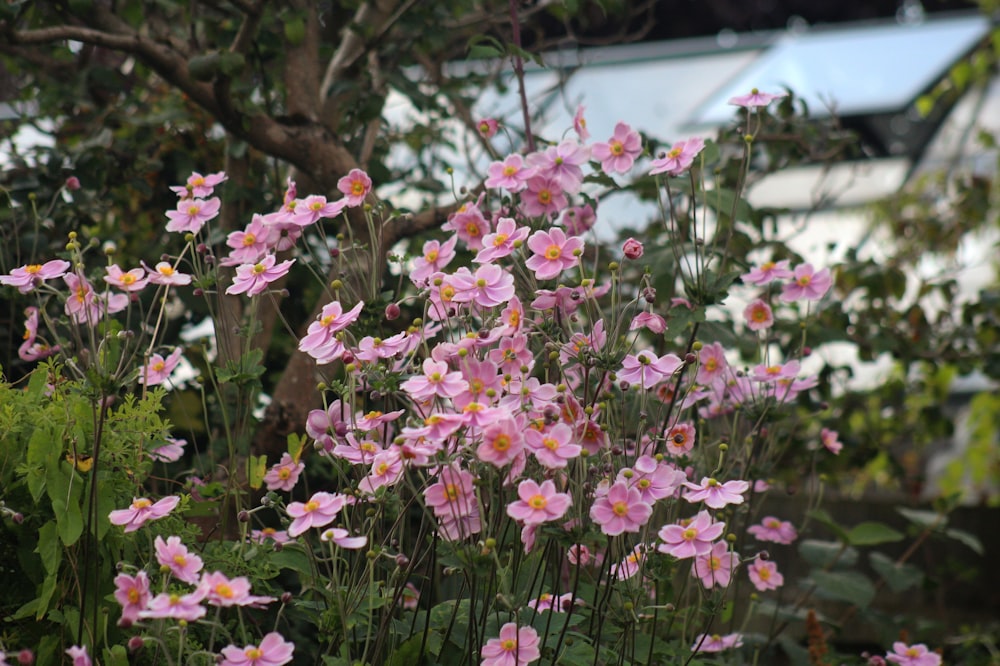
[72,184]
[135,644]
[392,312]
[632,249]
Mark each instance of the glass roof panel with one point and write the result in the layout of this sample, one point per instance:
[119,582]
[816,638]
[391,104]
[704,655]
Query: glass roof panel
[871,69]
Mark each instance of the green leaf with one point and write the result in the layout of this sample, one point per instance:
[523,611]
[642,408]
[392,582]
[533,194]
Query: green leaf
[826,519]
[966,538]
[824,554]
[116,656]
[295,30]
[294,558]
[257,467]
[923,519]
[849,586]
[899,577]
[871,533]
[204,67]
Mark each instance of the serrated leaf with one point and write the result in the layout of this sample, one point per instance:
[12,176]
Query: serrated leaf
[849,586]
[899,577]
[871,533]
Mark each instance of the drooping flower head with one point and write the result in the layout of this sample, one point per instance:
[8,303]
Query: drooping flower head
[143,510]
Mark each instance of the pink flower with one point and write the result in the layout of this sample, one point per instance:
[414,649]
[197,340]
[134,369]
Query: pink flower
[646,370]
[250,244]
[649,320]
[355,185]
[132,280]
[755,99]
[269,533]
[691,537]
[435,257]
[561,165]
[580,123]
[169,452]
[552,252]
[176,606]
[437,380]
[386,470]
[343,539]
[174,555]
[507,238]
[192,214]
[273,650]
[30,276]
[716,495]
[716,566]
[31,349]
[132,592]
[487,128]
[502,442]
[82,304]
[515,647]
[253,279]
[158,369]
[679,158]
[320,341]
[543,196]
[774,530]
[538,503]
[831,440]
[453,496]
[620,510]
[764,575]
[712,363]
[577,220]
[807,284]
[772,373]
[199,186]
[758,315]
[632,249]
[680,439]
[768,272]
[488,287]
[512,174]
[913,655]
[655,480]
[321,509]
[469,224]
[631,564]
[619,153]
[164,273]
[555,447]
[72,183]
[142,510]
[314,208]
[716,643]
[283,475]
[79,655]
[222,591]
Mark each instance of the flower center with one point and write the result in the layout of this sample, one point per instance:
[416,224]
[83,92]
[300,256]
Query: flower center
[259,268]
[509,645]
[32,269]
[538,502]
[553,252]
[224,591]
[689,534]
[619,508]
[451,492]
[551,443]
[544,197]
[248,240]
[431,256]
[617,148]
[133,596]
[501,443]
[193,210]
[180,560]
[253,653]
[357,188]
[311,505]
[142,503]
[509,170]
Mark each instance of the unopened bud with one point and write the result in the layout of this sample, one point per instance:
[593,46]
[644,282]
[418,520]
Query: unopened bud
[392,311]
